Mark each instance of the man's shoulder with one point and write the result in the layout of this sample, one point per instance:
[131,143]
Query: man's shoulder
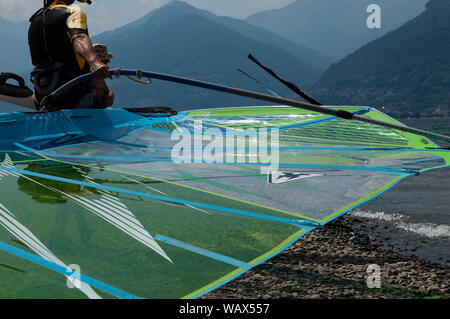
[72,9]
[76,9]
[77,18]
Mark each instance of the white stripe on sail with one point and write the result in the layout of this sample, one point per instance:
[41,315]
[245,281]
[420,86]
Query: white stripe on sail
[123,218]
[8,173]
[30,240]
[107,197]
[20,231]
[199,209]
[137,182]
[23,154]
[117,205]
[7,162]
[136,231]
[114,199]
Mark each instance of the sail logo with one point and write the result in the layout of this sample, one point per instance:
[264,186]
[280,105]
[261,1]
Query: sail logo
[231,146]
[278,177]
[374,19]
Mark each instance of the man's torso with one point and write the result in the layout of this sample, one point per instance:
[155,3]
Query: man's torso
[50,37]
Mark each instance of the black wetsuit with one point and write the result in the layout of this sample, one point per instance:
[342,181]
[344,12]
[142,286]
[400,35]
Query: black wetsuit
[54,57]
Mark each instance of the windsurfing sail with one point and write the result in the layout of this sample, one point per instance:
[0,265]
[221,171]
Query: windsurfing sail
[128,203]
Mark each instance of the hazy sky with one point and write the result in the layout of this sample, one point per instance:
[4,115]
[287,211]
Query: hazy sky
[109,14]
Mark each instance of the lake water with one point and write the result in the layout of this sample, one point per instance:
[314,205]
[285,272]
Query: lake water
[414,216]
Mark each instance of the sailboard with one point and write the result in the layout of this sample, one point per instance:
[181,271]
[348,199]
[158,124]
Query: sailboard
[93,204]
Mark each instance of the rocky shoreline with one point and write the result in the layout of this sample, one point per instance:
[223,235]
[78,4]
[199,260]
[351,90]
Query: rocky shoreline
[332,262]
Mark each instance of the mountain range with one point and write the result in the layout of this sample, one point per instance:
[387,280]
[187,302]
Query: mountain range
[335,27]
[406,71]
[14,53]
[183,40]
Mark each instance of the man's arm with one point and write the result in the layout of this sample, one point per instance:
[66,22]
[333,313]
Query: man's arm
[77,25]
[83,46]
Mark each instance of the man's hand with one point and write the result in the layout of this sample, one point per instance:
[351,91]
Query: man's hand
[102,93]
[100,69]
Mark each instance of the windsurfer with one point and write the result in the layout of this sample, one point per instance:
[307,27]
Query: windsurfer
[61,50]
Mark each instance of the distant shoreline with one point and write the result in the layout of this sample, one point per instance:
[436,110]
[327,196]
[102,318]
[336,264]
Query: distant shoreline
[423,118]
